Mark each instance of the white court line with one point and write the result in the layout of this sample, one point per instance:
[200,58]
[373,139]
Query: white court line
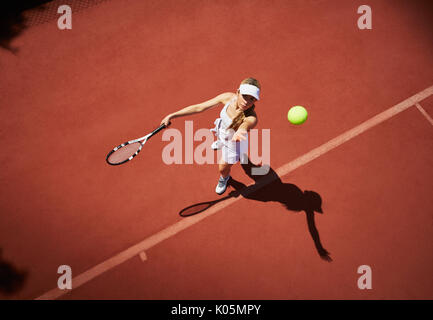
[172,230]
[424,113]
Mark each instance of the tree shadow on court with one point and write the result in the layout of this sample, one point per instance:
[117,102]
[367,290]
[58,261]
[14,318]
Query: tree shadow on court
[12,279]
[12,20]
[268,188]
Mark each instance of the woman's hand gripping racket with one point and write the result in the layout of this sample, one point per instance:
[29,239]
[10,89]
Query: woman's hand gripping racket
[128,150]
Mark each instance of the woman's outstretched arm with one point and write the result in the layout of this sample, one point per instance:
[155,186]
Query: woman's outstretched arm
[196,108]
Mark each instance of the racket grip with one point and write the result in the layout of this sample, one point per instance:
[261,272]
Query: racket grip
[162,126]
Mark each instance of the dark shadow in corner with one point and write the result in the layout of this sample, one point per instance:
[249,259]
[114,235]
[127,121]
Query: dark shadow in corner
[269,187]
[12,20]
[12,279]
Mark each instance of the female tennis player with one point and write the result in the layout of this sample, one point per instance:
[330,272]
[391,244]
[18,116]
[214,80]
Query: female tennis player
[237,117]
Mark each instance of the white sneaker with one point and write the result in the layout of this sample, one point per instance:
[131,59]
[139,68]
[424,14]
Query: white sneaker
[216,145]
[222,185]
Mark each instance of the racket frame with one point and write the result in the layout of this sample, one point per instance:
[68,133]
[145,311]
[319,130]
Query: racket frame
[142,141]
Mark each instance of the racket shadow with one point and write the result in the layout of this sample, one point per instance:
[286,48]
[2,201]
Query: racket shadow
[203,206]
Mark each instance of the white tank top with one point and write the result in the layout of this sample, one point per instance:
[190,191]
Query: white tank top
[226,120]
[223,123]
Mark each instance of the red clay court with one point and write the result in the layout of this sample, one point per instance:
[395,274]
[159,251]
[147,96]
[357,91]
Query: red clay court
[68,96]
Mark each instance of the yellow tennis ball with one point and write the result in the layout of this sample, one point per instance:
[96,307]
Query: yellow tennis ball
[297,115]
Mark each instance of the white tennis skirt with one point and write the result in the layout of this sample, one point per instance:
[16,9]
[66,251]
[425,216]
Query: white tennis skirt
[231,151]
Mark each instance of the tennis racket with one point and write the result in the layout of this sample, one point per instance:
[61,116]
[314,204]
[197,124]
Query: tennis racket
[128,150]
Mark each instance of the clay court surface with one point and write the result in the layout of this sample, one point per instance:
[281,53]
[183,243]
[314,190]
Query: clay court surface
[67,97]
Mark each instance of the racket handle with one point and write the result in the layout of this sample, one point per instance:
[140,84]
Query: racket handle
[162,126]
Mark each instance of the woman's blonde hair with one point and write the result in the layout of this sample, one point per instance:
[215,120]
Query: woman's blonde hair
[237,121]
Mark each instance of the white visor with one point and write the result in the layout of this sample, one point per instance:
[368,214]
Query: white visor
[250,90]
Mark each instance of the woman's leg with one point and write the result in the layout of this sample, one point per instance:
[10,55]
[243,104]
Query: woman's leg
[224,168]
[224,165]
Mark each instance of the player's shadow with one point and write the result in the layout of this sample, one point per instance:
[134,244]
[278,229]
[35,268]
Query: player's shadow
[12,20]
[12,279]
[269,187]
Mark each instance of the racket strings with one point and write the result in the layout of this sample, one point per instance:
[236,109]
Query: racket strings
[124,153]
